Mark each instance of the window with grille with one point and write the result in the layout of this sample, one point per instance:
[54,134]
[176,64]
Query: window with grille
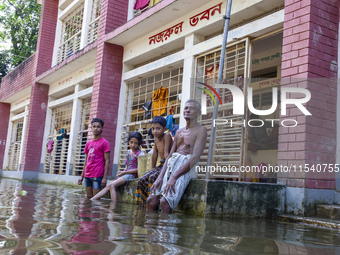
[141,92]
[94,23]
[15,146]
[71,34]
[56,159]
[144,8]
[228,143]
[79,158]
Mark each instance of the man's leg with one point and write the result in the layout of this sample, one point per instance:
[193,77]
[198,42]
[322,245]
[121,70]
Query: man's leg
[152,202]
[165,207]
[170,201]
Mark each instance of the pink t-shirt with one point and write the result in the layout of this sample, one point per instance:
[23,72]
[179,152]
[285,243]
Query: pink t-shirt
[95,150]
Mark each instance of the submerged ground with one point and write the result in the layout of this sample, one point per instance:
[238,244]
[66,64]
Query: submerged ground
[46,219]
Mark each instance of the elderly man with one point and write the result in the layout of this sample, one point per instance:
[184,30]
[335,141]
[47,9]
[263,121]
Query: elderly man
[188,146]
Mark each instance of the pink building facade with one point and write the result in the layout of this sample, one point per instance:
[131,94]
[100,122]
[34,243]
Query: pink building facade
[103,58]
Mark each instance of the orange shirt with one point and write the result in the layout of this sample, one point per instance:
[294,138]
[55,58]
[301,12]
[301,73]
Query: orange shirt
[160,100]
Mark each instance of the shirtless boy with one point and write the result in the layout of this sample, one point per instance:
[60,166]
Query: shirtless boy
[163,143]
[188,146]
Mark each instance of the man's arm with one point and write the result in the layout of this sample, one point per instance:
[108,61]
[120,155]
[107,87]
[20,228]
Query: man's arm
[154,156]
[106,168]
[198,149]
[80,180]
[167,144]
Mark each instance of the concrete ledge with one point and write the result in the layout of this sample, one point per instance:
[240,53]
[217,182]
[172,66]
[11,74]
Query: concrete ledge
[11,174]
[244,199]
[58,179]
[40,177]
[20,175]
[303,202]
[316,222]
[224,198]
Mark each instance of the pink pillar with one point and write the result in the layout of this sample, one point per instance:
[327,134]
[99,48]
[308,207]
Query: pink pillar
[35,128]
[309,60]
[45,45]
[39,93]
[5,114]
[108,71]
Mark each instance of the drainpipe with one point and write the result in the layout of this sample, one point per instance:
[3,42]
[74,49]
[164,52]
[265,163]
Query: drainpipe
[337,155]
[219,81]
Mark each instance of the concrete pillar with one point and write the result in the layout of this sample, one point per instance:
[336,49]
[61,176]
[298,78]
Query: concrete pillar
[47,131]
[130,10]
[188,85]
[57,42]
[75,125]
[4,123]
[24,129]
[35,131]
[86,22]
[8,141]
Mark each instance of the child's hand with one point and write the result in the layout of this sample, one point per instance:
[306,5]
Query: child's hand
[80,180]
[120,173]
[103,183]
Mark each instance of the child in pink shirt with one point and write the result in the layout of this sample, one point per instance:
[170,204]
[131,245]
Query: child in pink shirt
[97,160]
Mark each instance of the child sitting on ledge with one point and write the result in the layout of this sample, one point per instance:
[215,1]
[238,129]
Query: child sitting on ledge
[135,140]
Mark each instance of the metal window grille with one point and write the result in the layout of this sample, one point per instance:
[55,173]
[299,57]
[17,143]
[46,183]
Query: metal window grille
[79,159]
[228,143]
[71,34]
[141,91]
[15,146]
[94,23]
[55,162]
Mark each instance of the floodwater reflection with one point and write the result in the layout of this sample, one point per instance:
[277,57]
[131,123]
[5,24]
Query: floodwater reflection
[58,220]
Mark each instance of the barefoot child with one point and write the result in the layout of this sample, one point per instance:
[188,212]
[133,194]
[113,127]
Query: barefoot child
[163,143]
[97,160]
[131,170]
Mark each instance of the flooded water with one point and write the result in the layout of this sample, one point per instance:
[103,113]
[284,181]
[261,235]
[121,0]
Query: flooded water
[46,219]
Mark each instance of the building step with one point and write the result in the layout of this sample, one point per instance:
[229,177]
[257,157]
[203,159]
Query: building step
[312,221]
[328,211]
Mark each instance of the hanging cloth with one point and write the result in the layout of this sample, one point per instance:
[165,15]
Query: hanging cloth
[141,4]
[160,101]
[169,121]
[50,146]
[211,74]
[153,2]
